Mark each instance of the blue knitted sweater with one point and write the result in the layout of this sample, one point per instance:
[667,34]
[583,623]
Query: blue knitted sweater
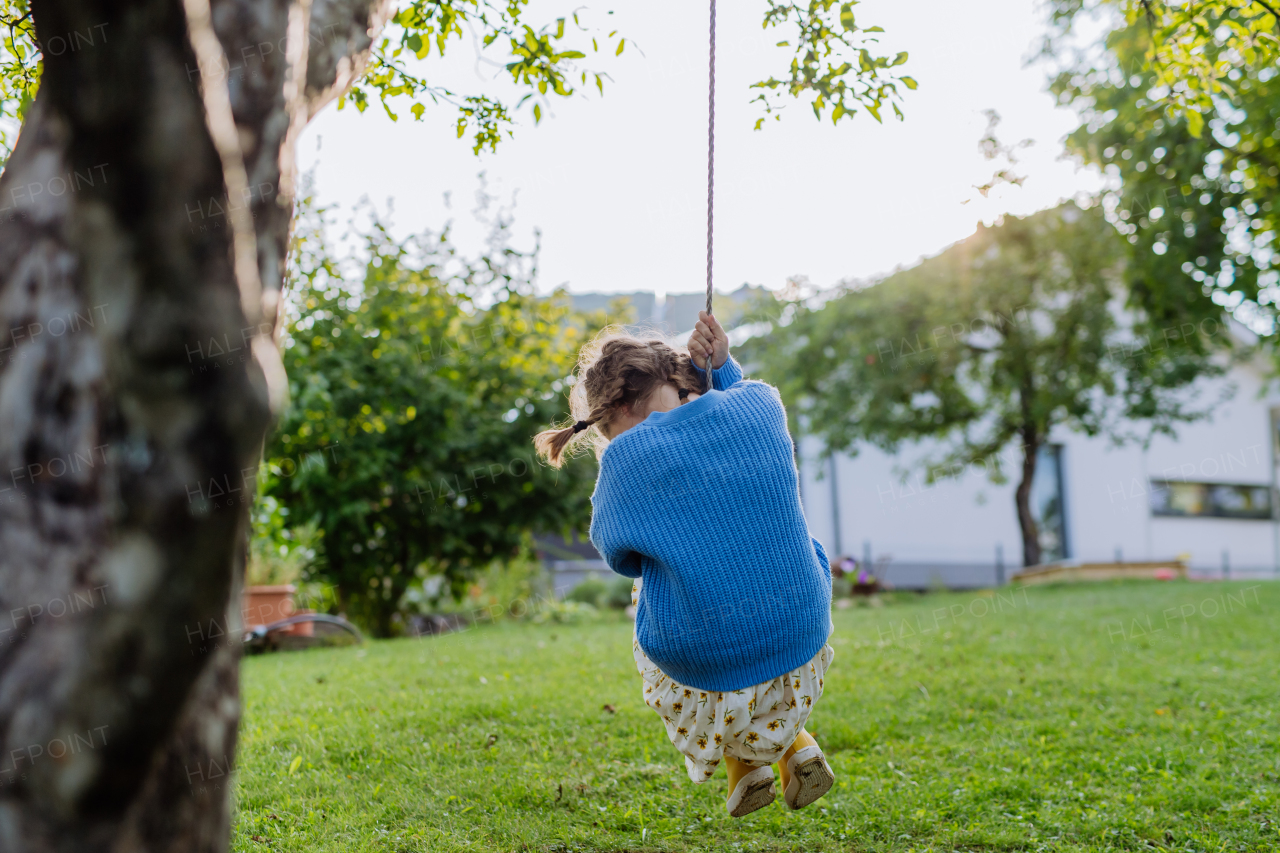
[703,502]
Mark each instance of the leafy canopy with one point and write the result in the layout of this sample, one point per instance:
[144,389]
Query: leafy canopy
[835,64]
[19,68]
[1194,191]
[1196,51]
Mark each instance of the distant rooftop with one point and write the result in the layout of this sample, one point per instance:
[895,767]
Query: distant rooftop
[677,313]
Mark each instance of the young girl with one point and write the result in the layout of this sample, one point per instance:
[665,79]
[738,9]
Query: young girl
[698,500]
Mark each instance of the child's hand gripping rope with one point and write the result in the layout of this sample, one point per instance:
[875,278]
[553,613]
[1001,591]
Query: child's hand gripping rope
[709,338]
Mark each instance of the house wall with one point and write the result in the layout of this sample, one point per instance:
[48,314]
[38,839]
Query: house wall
[962,519]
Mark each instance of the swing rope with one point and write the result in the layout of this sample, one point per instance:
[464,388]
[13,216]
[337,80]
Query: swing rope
[711,157]
[711,170]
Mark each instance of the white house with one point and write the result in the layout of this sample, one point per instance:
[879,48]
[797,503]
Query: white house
[1207,497]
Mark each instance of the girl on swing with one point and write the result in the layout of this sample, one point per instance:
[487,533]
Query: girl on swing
[698,500]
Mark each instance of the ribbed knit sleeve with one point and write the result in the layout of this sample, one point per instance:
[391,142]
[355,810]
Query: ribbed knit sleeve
[723,377]
[609,531]
[823,559]
[703,502]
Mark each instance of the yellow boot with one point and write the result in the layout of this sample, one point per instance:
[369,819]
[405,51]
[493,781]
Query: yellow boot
[750,788]
[806,775]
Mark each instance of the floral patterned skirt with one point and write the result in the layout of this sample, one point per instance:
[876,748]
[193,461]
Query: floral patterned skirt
[755,725]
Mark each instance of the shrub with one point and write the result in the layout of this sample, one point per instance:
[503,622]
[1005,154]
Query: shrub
[619,594]
[591,591]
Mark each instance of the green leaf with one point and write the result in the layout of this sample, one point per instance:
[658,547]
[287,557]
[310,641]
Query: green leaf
[909,82]
[418,110]
[621,44]
[537,113]
[1195,123]
[846,17]
[297,762]
[899,59]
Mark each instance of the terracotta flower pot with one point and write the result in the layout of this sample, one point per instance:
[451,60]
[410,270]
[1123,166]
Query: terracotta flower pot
[302,629]
[262,605]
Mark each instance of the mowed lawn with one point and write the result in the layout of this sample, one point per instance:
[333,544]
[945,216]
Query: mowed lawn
[1137,716]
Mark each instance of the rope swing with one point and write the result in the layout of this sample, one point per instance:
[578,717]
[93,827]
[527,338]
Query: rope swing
[711,171]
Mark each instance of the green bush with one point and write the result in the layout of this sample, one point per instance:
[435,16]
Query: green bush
[566,612]
[619,594]
[591,591]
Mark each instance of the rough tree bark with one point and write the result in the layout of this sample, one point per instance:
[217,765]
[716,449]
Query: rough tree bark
[144,219]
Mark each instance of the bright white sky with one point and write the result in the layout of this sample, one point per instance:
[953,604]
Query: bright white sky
[617,184]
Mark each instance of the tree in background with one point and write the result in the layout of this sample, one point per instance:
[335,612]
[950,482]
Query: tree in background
[1184,112]
[1195,52]
[989,346]
[415,391]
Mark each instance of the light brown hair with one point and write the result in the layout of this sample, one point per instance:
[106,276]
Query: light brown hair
[615,370]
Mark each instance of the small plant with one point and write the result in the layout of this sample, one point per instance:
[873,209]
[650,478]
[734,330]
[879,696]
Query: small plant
[619,594]
[865,583]
[591,591]
[278,554]
[566,612]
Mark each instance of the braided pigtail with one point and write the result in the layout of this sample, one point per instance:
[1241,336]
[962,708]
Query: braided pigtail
[551,443]
[615,371]
[596,393]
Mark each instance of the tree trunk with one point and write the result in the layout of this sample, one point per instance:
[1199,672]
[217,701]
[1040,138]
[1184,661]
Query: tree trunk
[1022,499]
[140,268]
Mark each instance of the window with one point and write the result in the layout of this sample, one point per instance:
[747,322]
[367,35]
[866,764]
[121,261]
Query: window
[1047,504]
[1209,500]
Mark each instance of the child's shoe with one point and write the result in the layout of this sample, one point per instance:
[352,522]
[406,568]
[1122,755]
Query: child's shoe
[753,791]
[809,776]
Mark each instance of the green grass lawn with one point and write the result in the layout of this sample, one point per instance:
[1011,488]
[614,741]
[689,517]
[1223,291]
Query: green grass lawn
[1108,717]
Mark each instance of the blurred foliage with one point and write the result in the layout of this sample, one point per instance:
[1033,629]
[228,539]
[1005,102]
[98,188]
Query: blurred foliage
[278,553]
[509,589]
[986,348]
[613,593]
[416,388]
[590,591]
[834,64]
[1196,53]
[1199,209]
[19,68]
[618,595]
